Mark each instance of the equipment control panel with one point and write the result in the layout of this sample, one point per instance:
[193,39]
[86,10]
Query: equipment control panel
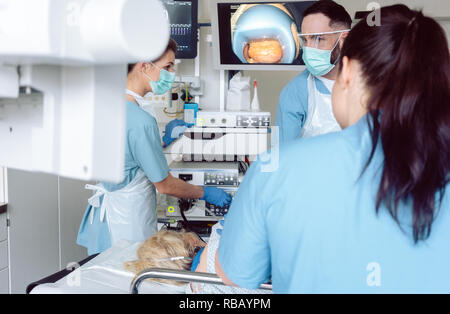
[233,119]
[207,173]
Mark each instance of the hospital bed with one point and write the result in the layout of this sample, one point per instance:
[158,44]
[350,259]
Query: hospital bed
[105,274]
[179,275]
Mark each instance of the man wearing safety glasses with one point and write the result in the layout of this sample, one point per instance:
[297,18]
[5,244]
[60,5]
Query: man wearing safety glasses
[304,109]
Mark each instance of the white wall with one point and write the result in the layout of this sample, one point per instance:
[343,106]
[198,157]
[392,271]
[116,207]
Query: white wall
[2,185]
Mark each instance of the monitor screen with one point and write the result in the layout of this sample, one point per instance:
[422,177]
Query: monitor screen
[183,16]
[256,33]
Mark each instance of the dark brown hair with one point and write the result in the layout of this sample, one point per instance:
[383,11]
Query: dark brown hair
[405,63]
[335,12]
[171,46]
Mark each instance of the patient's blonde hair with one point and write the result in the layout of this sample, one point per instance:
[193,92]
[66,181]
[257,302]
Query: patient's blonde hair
[162,245]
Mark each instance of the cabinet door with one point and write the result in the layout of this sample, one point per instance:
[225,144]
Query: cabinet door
[34,235]
[4,284]
[73,202]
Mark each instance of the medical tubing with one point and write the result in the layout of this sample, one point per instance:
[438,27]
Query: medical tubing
[185,205]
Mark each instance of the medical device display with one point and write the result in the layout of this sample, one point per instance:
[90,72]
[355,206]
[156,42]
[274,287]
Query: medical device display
[183,16]
[257,33]
[206,173]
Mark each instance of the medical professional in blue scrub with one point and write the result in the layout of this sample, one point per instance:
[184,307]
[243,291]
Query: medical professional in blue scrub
[128,210]
[367,209]
[304,108]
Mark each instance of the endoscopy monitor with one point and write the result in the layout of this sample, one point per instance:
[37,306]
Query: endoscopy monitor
[257,35]
[183,17]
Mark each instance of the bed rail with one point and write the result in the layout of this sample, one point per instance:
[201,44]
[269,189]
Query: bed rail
[179,275]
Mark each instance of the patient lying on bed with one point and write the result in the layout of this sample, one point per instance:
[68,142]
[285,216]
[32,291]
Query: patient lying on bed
[183,251]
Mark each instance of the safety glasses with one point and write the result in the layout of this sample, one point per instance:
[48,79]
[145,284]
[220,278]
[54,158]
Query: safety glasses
[324,40]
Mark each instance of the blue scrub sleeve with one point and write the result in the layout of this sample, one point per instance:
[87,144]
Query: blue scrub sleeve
[293,108]
[244,251]
[147,150]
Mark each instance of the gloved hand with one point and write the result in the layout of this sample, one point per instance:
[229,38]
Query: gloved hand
[174,129]
[216,196]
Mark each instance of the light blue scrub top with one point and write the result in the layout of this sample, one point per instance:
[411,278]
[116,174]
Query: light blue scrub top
[312,227]
[293,106]
[143,150]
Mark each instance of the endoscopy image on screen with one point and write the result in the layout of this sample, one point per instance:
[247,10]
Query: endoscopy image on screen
[261,33]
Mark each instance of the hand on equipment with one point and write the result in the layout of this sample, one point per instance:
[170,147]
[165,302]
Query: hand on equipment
[216,196]
[174,129]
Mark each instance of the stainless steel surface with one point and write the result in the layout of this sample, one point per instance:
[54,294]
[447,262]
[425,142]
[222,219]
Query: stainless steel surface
[178,275]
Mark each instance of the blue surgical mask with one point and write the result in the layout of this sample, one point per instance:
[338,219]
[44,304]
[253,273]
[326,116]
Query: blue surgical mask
[318,61]
[165,82]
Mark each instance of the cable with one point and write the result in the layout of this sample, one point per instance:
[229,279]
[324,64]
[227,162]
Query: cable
[185,205]
[247,161]
[243,167]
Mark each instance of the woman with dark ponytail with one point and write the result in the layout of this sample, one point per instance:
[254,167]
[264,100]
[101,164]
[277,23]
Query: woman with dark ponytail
[405,67]
[365,210]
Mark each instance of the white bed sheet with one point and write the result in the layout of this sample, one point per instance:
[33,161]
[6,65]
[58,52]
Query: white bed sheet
[105,274]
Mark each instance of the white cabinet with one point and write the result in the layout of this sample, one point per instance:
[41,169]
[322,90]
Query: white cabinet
[3,228]
[4,270]
[4,278]
[2,185]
